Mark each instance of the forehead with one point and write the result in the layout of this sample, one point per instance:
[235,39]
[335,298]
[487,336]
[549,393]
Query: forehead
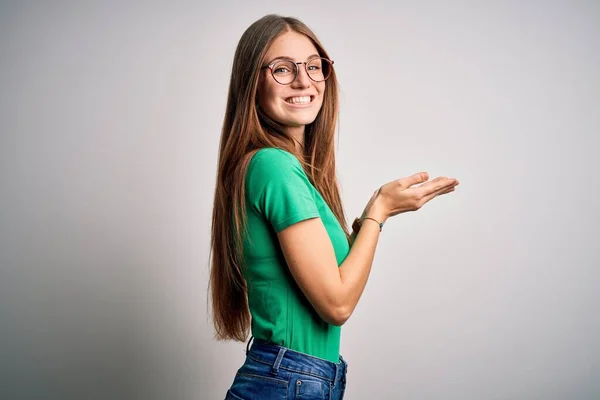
[291,44]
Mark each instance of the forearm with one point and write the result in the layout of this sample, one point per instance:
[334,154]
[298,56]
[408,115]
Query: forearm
[355,270]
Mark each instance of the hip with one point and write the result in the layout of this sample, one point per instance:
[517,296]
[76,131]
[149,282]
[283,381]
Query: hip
[276,372]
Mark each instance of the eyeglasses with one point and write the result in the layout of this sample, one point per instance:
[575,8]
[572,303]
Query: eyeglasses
[285,71]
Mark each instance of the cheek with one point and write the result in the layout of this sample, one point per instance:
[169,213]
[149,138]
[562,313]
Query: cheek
[321,101]
[322,93]
[262,92]
[267,97]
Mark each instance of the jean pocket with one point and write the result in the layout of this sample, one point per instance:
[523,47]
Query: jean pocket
[311,389]
[253,386]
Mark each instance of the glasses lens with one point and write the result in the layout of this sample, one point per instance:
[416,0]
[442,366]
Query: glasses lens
[318,69]
[284,72]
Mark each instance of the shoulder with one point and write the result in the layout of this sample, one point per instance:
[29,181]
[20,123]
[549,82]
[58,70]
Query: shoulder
[273,169]
[273,161]
[271,156]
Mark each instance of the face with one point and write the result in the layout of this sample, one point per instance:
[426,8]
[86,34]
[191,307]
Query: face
[287,104]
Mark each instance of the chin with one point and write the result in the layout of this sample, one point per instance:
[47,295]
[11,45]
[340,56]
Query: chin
[301,120]
[304,121]
[298,123]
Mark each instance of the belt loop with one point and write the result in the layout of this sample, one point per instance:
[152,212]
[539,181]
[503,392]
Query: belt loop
[345,364]
[248,345]
[275,368]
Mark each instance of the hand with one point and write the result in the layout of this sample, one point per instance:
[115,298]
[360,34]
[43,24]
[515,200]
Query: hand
[399,196]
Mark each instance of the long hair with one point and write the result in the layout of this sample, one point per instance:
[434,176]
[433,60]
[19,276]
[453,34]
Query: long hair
[246,129]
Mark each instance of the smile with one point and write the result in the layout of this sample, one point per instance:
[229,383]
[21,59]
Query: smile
[299,99]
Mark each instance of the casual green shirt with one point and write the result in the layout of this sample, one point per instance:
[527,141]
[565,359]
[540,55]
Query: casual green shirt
[279,194]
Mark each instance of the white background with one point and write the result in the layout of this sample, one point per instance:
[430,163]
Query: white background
[110,117]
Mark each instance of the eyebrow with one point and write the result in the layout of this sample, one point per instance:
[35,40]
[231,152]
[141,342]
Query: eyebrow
[286,58]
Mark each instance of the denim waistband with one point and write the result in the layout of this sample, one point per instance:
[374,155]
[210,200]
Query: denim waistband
[279,357]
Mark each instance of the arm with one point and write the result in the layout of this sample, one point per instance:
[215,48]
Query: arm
[333,292]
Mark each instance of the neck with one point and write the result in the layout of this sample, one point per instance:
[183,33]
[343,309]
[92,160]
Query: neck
[297,134]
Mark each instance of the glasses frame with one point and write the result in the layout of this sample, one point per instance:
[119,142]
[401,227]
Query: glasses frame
[296,70]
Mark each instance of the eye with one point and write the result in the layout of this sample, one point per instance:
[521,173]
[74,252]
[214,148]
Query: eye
[281,70]
[314,65]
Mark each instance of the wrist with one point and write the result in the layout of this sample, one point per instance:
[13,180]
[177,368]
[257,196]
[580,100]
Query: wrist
[358,223]
[376,210]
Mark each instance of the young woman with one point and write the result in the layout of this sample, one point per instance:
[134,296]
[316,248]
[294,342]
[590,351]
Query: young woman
[283,263]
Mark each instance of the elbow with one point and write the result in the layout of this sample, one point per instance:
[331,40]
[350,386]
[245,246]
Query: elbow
[339,316]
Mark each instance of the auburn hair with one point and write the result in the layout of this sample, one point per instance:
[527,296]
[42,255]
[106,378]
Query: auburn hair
[246,129]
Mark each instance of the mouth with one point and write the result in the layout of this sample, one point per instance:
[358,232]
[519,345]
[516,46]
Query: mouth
[300,100]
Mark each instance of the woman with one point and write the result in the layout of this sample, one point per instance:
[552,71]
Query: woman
[283,262]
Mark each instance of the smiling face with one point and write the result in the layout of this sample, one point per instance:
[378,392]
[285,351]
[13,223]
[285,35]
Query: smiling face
[297,104]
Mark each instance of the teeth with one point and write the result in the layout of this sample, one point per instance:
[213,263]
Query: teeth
[299,100]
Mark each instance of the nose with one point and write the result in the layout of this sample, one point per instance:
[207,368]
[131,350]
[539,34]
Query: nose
[302,80]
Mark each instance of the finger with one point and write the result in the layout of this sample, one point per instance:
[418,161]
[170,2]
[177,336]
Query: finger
[440,192]
[413,179]
[434,186]
[450,190]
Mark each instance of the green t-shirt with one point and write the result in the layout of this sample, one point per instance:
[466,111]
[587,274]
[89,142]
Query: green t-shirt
[279,194]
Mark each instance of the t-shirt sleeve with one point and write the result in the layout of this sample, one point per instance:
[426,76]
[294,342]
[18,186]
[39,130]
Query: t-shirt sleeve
[278,189]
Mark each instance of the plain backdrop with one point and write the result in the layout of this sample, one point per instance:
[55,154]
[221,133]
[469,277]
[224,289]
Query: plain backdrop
[110,117]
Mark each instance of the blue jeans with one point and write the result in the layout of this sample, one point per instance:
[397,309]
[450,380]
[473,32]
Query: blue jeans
[277,373]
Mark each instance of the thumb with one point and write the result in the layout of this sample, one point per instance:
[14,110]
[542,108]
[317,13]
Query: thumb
[414,179]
